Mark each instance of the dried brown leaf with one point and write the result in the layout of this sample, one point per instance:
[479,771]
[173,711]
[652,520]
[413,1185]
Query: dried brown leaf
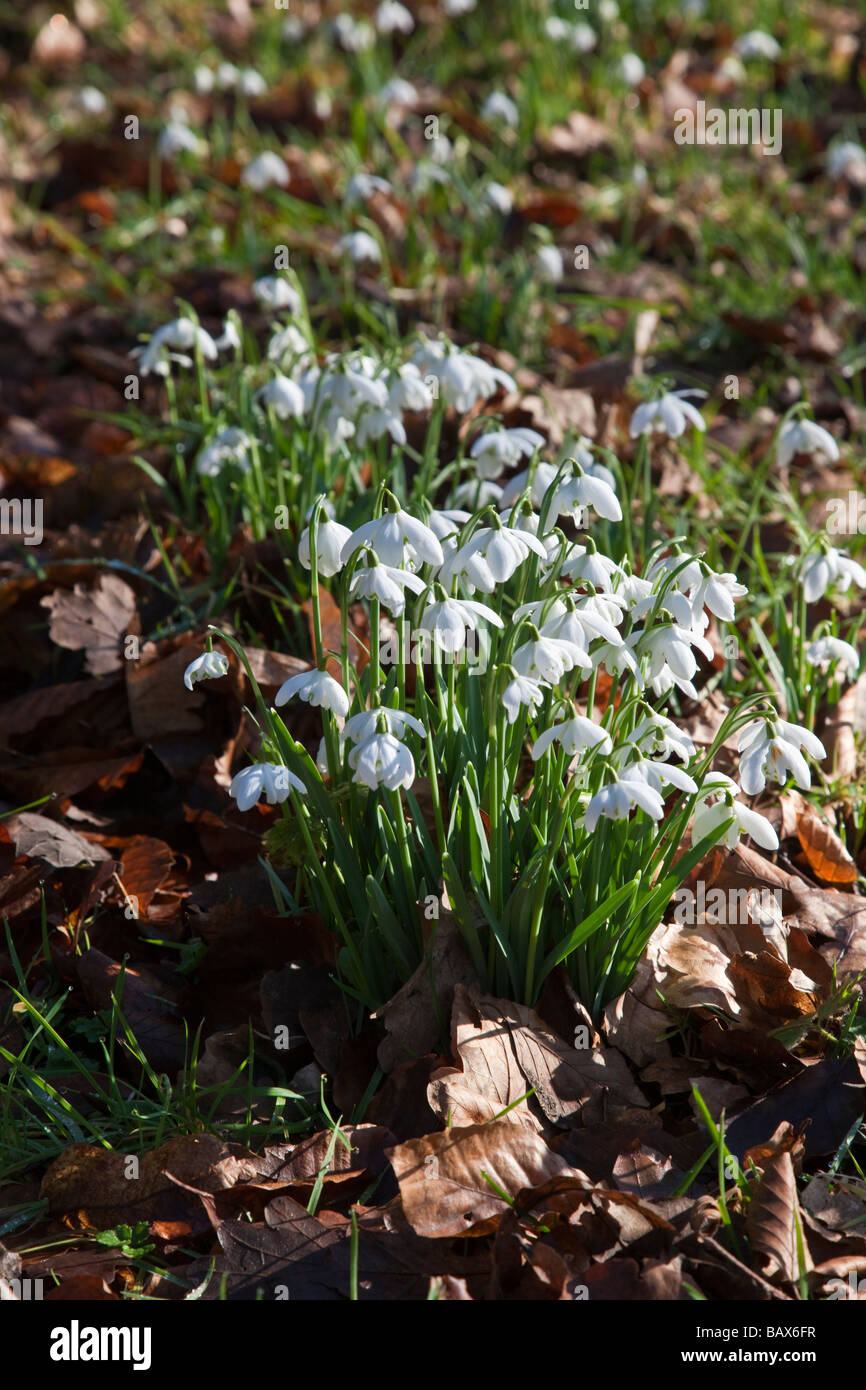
[442,1176]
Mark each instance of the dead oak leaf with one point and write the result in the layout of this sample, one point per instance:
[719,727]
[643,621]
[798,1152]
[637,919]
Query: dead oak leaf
[95,619]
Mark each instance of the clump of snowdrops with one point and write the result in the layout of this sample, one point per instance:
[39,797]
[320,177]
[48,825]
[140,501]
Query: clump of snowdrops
[498,758]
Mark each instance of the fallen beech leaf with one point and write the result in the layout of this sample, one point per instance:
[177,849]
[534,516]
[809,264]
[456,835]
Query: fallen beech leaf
[580,135]
[95,1184]
[644,1172]
[828,858]
[296,1162]
[147,863]
[558,410]
[506,1048]
[773,1220]
[158,703]
[838,1200]
[40,838]
[844,722]
[95,619]
[442,1181]
[413,1017]
[824,1100]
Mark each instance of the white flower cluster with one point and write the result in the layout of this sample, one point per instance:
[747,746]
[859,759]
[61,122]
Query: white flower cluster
[643,630]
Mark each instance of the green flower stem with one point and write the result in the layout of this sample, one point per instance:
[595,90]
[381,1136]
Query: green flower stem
[432,770]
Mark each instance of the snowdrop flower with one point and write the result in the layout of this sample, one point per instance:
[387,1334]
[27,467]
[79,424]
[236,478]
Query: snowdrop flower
[274,292]
[397,92]
[562,621]
[583,38]
[670,415]
[289,342]
[392,17]
[556,28]
[177,138]
[657,774]
[829,567]
[548,264]
[426,174]
[361,248]
[804,437]
[655,733]
[846,159]
[181,333]
[757,44]
[521,691]
[490,557]
[500,107]
[772,748]
[355,36]
[584,490]
[407,390]
[542,476]
[91,100]
[477,493]
[374,423]
[446,620]
[548,658]
[284,396]
[494,452]
[396,538]
[463,378]
[670,645]
[716,592]
[251,83]
[580,624]
[587,565]
[230,338]
[447,522]
[386,583]
[382,760]
[732,70]
[362,186]
[455,8]
[617,659]
[575,735]
[616,800]
[271,778]
[228,446]
[226,76]
[497,197]
[362,726]
[832,651]
[317,688]
[294,29]
[632,69]
[330,539]
[708,819]
[608,10]
[265,171]
[208,666]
